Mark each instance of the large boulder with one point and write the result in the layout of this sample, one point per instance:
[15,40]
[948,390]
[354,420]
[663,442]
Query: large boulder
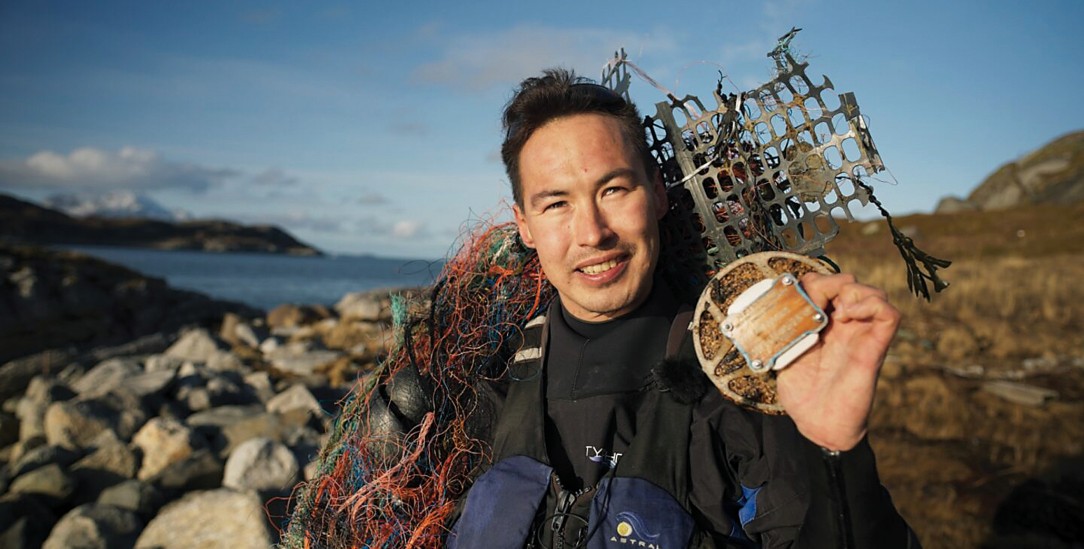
[50,482]
[215,519]
[109,462]
[106,376]
[137,496]
[261,464]
[362,306]
[163,442]
[24,521]
[94,526]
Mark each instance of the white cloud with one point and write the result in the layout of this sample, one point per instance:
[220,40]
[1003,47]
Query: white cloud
[408,229]
[480,61]
[92,168]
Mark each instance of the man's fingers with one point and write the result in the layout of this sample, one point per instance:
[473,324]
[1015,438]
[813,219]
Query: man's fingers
[869,306]
[850,300]
[823,289]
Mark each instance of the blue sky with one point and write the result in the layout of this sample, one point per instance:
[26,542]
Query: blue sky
[374,128]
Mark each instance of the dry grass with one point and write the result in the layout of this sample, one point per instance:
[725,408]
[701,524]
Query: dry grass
[951,452]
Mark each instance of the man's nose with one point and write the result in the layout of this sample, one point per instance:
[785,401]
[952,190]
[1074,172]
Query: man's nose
[592,226]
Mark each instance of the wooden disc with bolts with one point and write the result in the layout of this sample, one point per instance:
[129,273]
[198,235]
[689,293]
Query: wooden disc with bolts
[720,360]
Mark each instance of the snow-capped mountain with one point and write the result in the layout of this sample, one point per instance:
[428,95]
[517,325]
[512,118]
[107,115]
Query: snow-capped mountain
[114,204]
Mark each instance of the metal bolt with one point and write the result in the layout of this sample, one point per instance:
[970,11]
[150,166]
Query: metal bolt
[787,280]
[727,327]
[756,365]
[818,317]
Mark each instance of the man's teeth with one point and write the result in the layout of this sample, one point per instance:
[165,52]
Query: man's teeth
[599,268]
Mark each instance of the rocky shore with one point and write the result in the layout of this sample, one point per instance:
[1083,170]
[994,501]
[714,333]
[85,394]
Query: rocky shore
[190,433]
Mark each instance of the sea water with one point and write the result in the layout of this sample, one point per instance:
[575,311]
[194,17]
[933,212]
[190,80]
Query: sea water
[268,280]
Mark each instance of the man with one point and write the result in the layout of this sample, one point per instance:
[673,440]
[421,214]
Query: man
[591,449]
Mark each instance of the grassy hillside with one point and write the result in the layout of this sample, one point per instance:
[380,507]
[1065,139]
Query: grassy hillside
[967,465]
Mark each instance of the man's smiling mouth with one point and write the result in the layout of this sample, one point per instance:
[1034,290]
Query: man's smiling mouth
[599,267]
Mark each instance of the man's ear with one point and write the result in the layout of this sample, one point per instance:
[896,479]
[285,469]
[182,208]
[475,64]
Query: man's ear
[521,224]
[662,205]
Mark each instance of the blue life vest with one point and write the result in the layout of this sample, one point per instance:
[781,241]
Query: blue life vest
[641,502]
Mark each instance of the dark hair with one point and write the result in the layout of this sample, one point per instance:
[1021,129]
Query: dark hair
[556,94]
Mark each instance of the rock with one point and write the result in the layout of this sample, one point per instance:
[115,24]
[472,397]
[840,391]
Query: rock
[1019,393]
[228,426]
[71,373]
[216,519]
[24,522]
[292,316]
[134,495]
[362,306]
[93,526]
[226,329]
[9,429]
[40,393]
[47,390]
[15,375]
[196,399]
[163,442]
[73,425]
[260,464]
[214,389]
[249,336]
[224,361]
[270,345]
[362,339]
[237,332]
[150,384]
[106,376]
[158,363]
[296,358]
[295,405]
[150,344]
[305,442]
[196,345]
[42,456]
[50,482]
[260,385]
[229,390]
[109,462]
[954,204]
[202,470]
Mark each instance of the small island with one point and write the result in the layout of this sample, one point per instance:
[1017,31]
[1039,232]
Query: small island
[23,222]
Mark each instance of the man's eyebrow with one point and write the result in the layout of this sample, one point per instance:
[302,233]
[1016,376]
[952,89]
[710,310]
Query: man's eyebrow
[604,179]
[614,174]
[542,195]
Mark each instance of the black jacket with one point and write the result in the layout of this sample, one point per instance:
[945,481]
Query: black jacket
[745,478]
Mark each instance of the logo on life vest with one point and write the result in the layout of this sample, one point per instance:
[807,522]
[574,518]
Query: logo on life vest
[602,457]
[632,531]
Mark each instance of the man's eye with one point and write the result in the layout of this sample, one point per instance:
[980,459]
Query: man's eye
[611,190]
[553,206]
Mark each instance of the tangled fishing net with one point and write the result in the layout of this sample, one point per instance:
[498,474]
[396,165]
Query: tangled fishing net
[407,445]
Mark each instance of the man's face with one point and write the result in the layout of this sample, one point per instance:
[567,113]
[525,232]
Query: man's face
[591,213]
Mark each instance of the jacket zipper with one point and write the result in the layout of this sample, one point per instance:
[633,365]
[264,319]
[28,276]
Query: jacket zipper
[566,500]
